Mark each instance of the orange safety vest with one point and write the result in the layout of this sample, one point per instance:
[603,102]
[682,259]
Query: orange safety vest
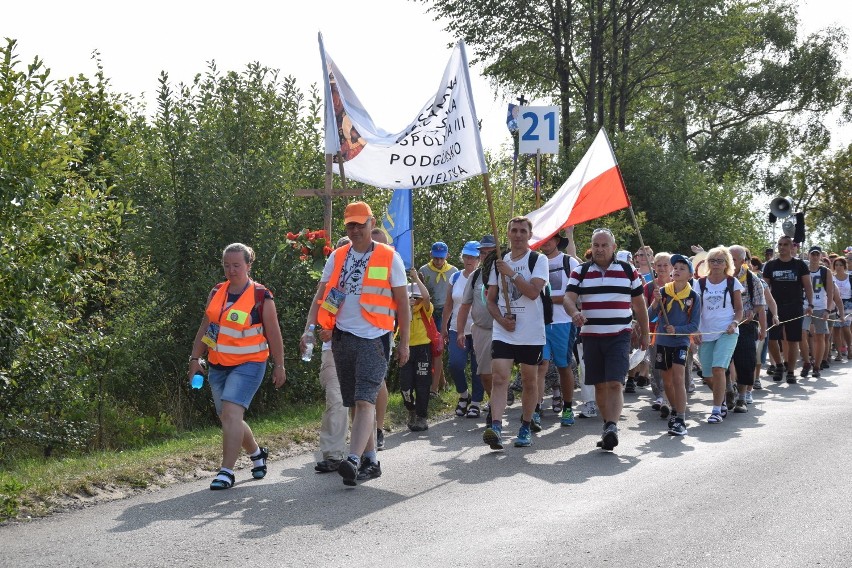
[377,302]
[238,341]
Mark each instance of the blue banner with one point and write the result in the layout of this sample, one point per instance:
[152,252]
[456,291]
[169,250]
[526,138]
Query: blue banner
[399,224]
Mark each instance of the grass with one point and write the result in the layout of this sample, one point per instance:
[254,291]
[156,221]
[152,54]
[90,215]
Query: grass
[37,487]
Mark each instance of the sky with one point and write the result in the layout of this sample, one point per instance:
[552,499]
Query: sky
[375,43]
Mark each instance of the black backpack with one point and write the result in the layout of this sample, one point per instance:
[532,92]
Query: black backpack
[702,283]
[546,300]
[584,268]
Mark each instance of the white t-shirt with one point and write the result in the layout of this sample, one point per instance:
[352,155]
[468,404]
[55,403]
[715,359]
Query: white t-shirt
[529,314]
[714,316]
[457,295]
[349,317]
[559,283]
[820,296]
[843,287]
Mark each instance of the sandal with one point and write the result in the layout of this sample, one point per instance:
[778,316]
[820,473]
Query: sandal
[217,483]
[461,407]
[557,404]
[327,465]
[714,419]
[259,471]
[473,411]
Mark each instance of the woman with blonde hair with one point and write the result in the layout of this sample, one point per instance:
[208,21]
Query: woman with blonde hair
[239,332]
[721,311]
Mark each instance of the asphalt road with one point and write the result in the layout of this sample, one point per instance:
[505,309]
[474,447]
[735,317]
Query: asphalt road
[767,488]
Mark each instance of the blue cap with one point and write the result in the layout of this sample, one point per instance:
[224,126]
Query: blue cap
[439,250]
[471,248]
[680,258]
[487,242]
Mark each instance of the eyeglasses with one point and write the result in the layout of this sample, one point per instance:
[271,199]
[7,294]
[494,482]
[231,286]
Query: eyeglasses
[716,260]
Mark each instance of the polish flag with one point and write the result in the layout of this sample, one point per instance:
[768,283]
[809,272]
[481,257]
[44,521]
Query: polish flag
[593,189]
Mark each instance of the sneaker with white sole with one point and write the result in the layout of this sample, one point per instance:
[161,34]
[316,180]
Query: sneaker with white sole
[588,410]
[748,398]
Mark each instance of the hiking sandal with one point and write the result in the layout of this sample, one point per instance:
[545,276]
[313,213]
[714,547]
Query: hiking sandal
[473,411]
[259,472]
[557,404]
[217,483]
[461,407]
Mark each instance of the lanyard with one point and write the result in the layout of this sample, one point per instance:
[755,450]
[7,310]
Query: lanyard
[344,277]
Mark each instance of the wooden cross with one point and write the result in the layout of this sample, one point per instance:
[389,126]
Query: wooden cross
[328,193]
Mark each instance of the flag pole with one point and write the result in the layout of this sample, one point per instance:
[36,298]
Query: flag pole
[514,177]
[538,178]
[499,253]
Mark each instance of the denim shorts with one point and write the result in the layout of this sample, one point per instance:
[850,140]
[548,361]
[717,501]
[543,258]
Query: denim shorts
[237,385]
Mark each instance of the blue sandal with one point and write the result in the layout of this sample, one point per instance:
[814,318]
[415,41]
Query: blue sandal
[259,472]
[217,483]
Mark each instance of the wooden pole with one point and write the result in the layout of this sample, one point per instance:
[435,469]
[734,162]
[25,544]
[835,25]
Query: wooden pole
[499,253]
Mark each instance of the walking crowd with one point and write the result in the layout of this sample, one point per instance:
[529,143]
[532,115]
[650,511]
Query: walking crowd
[606,323]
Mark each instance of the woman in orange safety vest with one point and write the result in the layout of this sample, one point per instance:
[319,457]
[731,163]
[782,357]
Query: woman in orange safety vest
[239,330]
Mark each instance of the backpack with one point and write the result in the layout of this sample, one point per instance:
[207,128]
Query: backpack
[584,268]
[702,283]
[546,300]
[259,297]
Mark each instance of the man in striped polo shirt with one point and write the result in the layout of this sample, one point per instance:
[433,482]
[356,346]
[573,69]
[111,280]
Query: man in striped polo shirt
[610,294]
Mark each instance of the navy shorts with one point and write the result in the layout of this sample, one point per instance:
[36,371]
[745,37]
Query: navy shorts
[606,357]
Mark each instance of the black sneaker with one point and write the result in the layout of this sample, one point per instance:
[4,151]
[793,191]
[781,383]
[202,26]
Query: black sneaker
[664,410]
[609,439]
[816,374]
[348,470]
[369,470]
[805,368]
[678,428]
[791,378]
[630,386]
[770,370]
[642,381]
[380,440]
[779,375]
[824,365]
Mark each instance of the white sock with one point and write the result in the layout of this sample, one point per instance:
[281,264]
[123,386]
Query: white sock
[221,477]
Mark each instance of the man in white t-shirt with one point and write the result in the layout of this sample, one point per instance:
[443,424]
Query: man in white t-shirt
[518,335]
[559,333]
[361,294]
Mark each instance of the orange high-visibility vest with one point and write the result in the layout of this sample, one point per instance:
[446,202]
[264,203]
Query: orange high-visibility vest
[238,340]
[377,302]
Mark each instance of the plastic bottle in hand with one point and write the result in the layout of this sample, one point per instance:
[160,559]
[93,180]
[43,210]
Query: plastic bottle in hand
[310,341]
[197,381]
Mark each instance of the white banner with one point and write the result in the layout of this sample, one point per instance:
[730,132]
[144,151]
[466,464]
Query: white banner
[441,145]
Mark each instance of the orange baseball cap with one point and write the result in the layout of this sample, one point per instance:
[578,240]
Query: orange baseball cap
[357,212]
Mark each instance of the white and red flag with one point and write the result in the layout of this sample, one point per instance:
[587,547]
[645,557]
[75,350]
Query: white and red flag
[593,189]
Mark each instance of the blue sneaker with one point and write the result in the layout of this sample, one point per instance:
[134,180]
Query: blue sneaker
[493,436]
[567,417]
[535,423]
[524,439]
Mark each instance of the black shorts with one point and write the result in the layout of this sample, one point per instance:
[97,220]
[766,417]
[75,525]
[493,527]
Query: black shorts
[606,357]
[792,330]
[669,356]
[523,354]
[745,353]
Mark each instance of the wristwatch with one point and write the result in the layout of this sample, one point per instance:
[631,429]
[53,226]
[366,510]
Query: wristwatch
[191,358]
[514,276]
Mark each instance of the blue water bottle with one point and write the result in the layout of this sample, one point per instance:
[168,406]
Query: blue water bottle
[197,381]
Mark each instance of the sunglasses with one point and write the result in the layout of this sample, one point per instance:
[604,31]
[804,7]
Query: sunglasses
[716,260]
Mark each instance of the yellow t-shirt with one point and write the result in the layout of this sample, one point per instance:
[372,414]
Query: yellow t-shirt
[418,328]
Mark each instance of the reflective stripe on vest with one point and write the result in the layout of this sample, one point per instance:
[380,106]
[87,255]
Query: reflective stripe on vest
[250,332]
[232,350]
[238,340]
[377,302]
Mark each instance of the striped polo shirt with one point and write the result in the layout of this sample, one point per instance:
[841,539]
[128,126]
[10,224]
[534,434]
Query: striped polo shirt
[606,297]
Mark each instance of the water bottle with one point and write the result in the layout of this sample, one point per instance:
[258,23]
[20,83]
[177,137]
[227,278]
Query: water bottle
[197,381]
[310,341]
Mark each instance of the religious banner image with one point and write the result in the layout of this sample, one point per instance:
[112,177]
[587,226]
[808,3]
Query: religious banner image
[441,145]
